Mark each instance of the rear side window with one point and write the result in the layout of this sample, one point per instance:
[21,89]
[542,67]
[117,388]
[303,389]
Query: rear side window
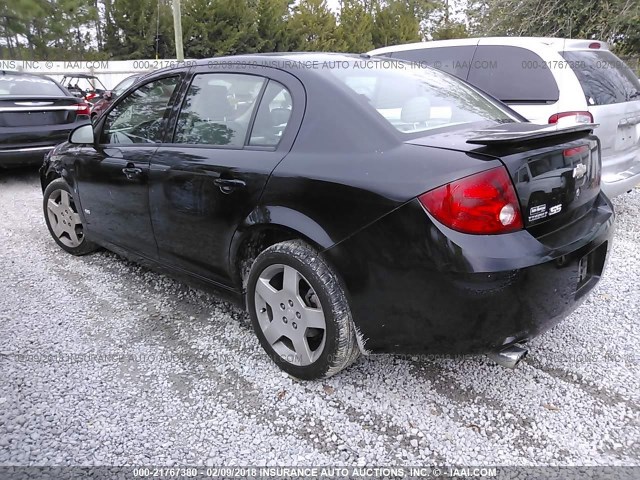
[605,78]
[453,60]
[272,116]
[218,109]
[27,85]
[513,74]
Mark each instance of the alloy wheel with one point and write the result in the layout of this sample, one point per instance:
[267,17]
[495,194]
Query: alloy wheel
[64,219]
[290,314]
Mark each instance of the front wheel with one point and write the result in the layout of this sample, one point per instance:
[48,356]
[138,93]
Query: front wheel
[63,220]
[299,311]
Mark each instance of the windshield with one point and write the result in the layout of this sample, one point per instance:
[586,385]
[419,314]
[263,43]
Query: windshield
[605,78]
[27,85]
[419,99]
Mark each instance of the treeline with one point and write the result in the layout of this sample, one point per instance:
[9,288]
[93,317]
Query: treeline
[134,29]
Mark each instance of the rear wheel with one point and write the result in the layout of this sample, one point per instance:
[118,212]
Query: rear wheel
[300,312]
[63,220]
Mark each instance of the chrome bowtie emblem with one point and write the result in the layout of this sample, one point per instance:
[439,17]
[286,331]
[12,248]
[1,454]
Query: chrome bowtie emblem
[579,171]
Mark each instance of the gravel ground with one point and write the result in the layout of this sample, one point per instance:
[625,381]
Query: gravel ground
[103,362]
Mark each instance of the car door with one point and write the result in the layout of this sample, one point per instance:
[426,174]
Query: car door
[113,174]
[232,130]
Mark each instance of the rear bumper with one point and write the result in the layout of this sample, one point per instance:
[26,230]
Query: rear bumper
[22,146]
[448,292]
[25,156]
[621,174]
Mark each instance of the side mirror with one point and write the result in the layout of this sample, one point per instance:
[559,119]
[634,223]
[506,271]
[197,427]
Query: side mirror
[107,95]
[82,135]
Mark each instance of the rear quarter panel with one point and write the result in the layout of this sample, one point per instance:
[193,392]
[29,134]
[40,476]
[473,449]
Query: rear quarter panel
[342,193]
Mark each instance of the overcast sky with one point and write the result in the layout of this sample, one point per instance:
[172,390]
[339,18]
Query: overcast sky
[333,4]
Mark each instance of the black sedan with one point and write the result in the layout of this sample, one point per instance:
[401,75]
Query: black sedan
[36,113]
[352,205]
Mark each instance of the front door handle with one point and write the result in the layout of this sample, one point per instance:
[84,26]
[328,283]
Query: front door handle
[132,173]
[228,185]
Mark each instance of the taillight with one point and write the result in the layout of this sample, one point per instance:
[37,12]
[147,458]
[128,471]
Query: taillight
[90,95]
[571,118]
[485,203]
[83,109]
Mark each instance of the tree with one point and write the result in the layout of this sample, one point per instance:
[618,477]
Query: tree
[273,16]
[613,21]
[313,27]
[356,26]
[219,27]
[446,24]
[397,22]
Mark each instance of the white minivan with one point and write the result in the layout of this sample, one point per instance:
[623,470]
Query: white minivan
[550,80]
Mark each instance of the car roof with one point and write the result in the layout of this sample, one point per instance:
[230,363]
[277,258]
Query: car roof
[291,62]
[285,56]
[558,44]
[266,59]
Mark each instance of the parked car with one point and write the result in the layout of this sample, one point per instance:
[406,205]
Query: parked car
[110,95]
[36,113]
[83,85]
[551,80]
[350,209]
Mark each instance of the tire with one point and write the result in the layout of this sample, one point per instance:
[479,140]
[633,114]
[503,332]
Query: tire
[319,297]
[63,220]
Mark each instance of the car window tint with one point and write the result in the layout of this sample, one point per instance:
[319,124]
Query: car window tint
[272,116]
[513,74]
[28,85]
[218,109]
[453,60]
[605,78]
[419,99]
[138,118]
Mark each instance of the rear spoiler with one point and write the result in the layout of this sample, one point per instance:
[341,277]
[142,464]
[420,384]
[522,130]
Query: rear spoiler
[525,132]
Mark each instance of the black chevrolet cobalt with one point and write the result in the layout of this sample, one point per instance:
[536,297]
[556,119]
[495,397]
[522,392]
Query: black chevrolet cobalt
[353,205]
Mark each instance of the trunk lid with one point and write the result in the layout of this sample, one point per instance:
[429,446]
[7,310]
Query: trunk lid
[34,111]
[555,170]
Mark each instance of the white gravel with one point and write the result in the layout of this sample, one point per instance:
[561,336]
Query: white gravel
[103,362]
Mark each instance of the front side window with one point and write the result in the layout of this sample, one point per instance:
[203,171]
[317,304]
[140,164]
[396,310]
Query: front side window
[419,99]
[218,109]
[138,118]
[124,84]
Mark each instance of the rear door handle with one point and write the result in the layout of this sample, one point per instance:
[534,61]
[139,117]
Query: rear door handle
[132,173]
[228,185]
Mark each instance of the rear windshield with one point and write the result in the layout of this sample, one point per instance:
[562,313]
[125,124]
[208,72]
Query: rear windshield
[414,99]
[605,78]
[27,85]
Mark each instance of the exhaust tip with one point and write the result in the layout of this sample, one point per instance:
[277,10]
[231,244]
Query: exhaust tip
[510,356]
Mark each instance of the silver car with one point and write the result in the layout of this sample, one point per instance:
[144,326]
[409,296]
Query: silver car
[551,80]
